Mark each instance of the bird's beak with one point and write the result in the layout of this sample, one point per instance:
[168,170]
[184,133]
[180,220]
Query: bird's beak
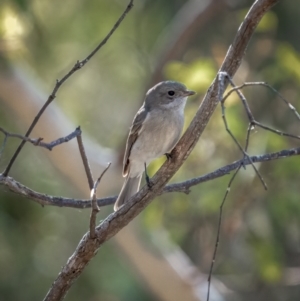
[189,93]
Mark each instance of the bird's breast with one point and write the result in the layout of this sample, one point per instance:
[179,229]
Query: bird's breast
[159,134]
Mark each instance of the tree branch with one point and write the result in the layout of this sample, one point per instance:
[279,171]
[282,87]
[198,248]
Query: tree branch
[78,65]
[95,208]
[85,162]
[38,141]
[185,186]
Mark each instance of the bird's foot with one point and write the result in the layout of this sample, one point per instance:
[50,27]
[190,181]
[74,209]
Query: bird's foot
[148,181]
[169,156]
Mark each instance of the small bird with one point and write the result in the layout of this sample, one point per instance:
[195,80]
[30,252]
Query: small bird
[155,130]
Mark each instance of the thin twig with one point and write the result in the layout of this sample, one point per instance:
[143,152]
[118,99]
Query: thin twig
[251,118]
[280,133]
[241,148]
[85,162]
[95,208]
[251,84]
[219,230]
[78,65]
[90,179]
[27,139]
[61,140]
[250,127]
[39,142]
[222,77]
[243,99]
[3,145]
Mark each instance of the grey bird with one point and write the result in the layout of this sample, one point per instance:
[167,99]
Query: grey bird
[155,130]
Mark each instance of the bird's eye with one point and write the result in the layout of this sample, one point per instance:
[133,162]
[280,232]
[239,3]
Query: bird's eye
[171,93]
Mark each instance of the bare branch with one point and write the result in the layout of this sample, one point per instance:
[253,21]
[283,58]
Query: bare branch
[280,133]
[251,124]
[27,139]
[78,65]
[94,212]
[222,76]
[95,208]
[3,145]
[251,84]
[251,118]
[61,140]
[47,200]
[85,162]
[39,142]
[219,229]
[92,185]
[252,121]
[186,185]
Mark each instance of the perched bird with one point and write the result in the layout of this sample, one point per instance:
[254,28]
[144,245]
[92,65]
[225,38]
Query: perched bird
[155,130]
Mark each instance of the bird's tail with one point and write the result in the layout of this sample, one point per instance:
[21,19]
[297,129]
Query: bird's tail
[130,187]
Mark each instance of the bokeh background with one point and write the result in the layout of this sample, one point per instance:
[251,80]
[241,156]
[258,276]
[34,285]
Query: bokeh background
[165,254]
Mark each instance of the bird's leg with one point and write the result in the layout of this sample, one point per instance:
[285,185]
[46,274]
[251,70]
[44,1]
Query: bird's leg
[169,156]
[149,184]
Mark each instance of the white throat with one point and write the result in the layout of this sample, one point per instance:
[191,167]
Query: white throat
[177,104]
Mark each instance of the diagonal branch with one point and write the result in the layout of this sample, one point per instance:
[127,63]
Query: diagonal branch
[85,162]
[78,65]
[219,229]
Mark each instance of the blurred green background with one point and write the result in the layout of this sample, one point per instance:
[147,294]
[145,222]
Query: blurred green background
[259,252]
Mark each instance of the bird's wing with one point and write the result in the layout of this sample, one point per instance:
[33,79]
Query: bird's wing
[133,134]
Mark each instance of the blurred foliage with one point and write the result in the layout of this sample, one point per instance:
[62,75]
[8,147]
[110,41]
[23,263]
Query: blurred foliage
[260,237]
